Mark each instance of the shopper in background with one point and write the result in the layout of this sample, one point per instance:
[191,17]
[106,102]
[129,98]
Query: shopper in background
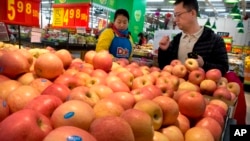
[115,38]
[210,47]
[142,39]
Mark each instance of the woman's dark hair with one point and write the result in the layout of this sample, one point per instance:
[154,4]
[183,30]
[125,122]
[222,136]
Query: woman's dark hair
[141,35]
[121,12]
[189,4]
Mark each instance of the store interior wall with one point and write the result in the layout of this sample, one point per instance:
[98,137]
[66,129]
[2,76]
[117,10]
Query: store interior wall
[223,25]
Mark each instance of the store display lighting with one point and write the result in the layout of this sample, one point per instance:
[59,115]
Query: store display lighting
[235,11]
[231,1]
[240,31]
[240,25]
[208,24]
[214,26]
[171,1]
[237,18]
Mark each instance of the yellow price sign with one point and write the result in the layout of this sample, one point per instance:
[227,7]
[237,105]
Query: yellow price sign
[70,15]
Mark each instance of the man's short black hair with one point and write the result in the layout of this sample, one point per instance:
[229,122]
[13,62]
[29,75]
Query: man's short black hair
[189,4]
[123,12]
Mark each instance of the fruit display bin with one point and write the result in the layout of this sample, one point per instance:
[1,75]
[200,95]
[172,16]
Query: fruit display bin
[228,121]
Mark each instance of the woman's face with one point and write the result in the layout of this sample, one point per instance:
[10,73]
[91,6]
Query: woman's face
[121,22]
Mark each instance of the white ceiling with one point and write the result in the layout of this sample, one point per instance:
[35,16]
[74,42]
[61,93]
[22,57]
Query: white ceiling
[208,8]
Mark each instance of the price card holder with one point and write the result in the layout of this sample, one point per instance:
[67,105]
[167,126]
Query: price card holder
[4,36]
[36,35]
[20,12]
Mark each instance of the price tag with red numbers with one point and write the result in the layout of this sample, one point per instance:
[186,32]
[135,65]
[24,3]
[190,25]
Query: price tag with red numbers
[70,15]
[21,12]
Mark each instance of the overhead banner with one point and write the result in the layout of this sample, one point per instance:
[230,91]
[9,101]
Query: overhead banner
[70,15]
[20,12]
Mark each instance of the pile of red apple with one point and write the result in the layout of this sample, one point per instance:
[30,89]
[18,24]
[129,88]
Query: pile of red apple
[55,97]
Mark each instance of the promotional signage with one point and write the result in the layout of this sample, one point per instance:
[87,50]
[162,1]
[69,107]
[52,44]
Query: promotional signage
[70,15]
[20,12]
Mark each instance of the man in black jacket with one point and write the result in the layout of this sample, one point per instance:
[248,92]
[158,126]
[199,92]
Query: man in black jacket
[210,47]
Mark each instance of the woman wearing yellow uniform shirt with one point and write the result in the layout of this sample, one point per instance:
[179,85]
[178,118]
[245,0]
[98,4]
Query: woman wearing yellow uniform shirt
[116,38]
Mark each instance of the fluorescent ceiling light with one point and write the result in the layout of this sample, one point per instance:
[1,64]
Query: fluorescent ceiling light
[155,0]
[218,10]
[45,2]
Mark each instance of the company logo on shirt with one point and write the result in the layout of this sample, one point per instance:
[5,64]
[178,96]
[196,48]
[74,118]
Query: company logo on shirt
[122,52]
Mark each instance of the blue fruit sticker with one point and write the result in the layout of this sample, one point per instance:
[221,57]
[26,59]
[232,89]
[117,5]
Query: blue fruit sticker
[4,103]
[74,138]
[69,115]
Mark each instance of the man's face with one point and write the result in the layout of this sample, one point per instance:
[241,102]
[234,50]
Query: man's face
[121,22]
[182,16]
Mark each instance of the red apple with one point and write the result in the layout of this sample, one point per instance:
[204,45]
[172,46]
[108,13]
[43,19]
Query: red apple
[59,90]
[168,68]
[173,133]
[13,64]
[208,86]
[99,73]
[118,86]
[220,103]
[25,125]
[125,99]
[65,57]
[44,104]
[103,60]
[175,62]
[156,91]
[27,78]
[40,84]
[215,113]
[183,123]
[153,110]
[141,124]
[73,113]
[234,87]
[179,70]
[127,77]
[196,76]
[4,110]
[68,133]
[222,92]
[84,94]
[8,86]
[92,81]
[89,56]
[213,74]
[141,93]
[3,78]
[159,136]
[169,108]
[222,82]
[166,89]
[119,129]
[136,71]
[154,68]
[48,66]
[107,107]
[67,80]
[81,77]
[186,85]
[140,82]
[191,64]
[101,90]
[212,125]
[192,104]
[18,98]
[198,134]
